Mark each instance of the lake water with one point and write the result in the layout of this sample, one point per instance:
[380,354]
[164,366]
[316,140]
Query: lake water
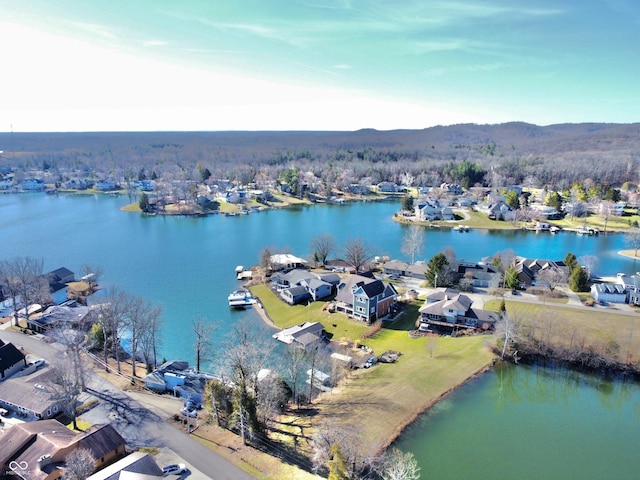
[531,423]
[187,265]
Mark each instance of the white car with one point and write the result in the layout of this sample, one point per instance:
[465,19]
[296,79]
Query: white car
[38,363]
[189,413]
[174,469]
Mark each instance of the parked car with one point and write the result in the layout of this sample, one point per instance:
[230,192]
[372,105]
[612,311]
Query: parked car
[192,404]
[39,363]
[174,469]
[189,412]
[369,363]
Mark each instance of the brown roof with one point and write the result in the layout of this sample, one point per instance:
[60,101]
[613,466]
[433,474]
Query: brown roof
[101,440]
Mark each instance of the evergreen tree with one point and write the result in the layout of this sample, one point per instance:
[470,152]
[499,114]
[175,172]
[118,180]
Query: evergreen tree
[578,282]
[437,270]
[144,202]
[571,261]
[511,279]
[407,203]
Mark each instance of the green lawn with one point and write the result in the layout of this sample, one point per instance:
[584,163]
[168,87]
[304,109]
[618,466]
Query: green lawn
[393,394]
[597,326]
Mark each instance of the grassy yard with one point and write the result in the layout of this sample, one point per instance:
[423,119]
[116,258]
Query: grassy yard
[598,327]
[393,394]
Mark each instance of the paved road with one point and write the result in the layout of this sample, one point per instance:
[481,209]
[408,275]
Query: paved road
[139,425]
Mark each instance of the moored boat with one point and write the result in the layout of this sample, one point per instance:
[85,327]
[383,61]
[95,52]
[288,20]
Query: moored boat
[240,299]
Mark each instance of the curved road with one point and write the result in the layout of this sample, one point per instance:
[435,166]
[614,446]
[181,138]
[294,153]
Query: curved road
[138,425]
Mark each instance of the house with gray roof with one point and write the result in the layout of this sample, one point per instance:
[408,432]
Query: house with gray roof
[30,396]
[302,335]
[136,466]
[450,311]
[365,298]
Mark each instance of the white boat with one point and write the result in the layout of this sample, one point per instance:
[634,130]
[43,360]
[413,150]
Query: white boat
[554,229]
[240,298]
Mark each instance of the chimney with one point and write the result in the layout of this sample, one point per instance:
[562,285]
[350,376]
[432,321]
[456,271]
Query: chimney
[43,461]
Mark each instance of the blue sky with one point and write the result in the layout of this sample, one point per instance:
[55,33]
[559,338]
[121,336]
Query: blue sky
[82,65]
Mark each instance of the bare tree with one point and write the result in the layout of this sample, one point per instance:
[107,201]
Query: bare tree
[65,385]
[606,211]
[246,355]
[294,363]
[553,277]
[151,338]
[141,318]
[113,316]
[633,239]
[399,466]
[73,340]
[413,242]
[508,332]
[322,245]
[202,330]
[24,280]
[91,274]
[79,465]
[589,263]
[357,253]
[265,261]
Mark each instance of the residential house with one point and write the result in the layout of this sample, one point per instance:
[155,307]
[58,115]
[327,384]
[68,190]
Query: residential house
[365,298]
[11,360]
[32,184]
[106,185]
[136,466]
[529,268]
[631,285]
[405,269]
[388,187]
[77,184]
[302,335]
[616,209]
[545,211]
[449,311]
[609,292]
[178,378]
[30,396]
[57,280]
[284,261]
[293,285]
[482,275]
[6,183]
[497,211]
[452,188]
[145,185]
[295,295]
[42,447]
[74,316]
[577,209]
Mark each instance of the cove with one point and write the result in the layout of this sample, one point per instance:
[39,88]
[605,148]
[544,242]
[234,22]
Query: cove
[530,422]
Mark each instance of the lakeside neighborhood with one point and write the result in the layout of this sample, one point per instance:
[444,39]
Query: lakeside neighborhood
[375,293]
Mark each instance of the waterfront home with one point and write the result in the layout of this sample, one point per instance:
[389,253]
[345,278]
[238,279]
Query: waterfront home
[631,284]
[178,378]
[77,317]
[32,184]
[448,311]
[295,295]
[284,261]
[388,187]
[481,274]
[303,335]
[11,360]
[106,185]
[405,269]
[43,447]
[609,293]
[365,298]
[528,268]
